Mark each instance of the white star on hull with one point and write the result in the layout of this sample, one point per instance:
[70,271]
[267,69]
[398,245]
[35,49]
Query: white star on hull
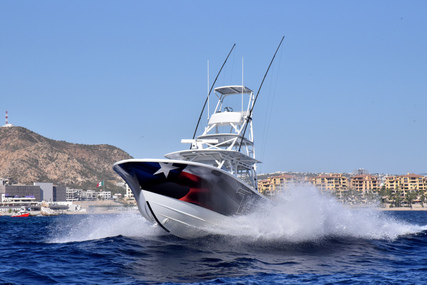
[165,168]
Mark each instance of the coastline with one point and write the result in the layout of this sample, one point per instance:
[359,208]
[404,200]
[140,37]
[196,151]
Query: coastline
[403,209]
[86,208]
[114,207]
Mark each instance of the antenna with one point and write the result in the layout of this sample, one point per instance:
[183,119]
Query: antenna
[7,118]
[213,84]
[248,118]
[242,83]
[208,91]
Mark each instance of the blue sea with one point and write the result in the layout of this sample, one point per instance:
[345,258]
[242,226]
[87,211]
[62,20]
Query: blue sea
[313,241]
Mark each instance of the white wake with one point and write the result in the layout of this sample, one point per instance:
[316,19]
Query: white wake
[302,214]
[97,226]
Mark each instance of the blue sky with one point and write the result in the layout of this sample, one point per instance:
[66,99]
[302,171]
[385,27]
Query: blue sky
[347,90]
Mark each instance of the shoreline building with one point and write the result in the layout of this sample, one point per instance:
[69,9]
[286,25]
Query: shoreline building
[21,191]
[104,195]
[407,182]
[13,197]
[330,182]
[59,193]
[359,188]
[272,185]
[47,190]
[365,182]
[73,194]
[52,193]
[129,194]
[89,195]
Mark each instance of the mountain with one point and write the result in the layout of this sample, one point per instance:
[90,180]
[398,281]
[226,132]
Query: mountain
[28,157]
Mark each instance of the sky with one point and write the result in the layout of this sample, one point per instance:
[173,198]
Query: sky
[347,90]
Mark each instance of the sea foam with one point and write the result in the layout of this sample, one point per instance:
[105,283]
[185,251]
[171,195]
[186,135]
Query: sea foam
[302,213]
[79,228]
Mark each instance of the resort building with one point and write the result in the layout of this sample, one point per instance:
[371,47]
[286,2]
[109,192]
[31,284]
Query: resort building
[406,182]
[405,188]
[365,182]
[330,182]
[272,185]
[264,186]
[324,182]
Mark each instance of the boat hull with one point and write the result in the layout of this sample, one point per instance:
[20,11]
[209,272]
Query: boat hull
[184,198]
[21,215]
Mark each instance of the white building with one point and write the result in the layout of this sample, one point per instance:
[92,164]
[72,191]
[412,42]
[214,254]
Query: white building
[89,195]
[74,194]
[104,195]
[129,194]
[6,199]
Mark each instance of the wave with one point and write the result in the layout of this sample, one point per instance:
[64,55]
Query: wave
[77,228]
[302,213]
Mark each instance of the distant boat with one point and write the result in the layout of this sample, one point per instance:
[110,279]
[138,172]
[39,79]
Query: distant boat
[21,215]
[193,191]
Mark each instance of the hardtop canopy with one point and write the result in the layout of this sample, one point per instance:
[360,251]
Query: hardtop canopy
[230,90]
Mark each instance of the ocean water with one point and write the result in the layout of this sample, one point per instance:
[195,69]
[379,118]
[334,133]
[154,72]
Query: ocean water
[301,238]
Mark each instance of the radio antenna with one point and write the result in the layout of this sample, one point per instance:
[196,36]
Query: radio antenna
[248,118]
[207,98]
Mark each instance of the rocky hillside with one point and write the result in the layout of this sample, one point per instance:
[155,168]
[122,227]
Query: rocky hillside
[27,157]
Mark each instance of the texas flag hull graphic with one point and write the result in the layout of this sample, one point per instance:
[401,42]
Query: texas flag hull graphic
[179,187]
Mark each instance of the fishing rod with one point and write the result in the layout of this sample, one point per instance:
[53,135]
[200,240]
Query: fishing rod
[207,98]
[248,118]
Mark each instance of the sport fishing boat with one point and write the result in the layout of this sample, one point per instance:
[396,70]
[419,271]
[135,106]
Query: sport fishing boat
[192,192]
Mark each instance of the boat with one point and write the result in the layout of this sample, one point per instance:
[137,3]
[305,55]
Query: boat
[21,215]
[193,192]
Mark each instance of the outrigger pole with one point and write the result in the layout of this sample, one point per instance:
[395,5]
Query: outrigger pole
[248,118]
[207,98]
